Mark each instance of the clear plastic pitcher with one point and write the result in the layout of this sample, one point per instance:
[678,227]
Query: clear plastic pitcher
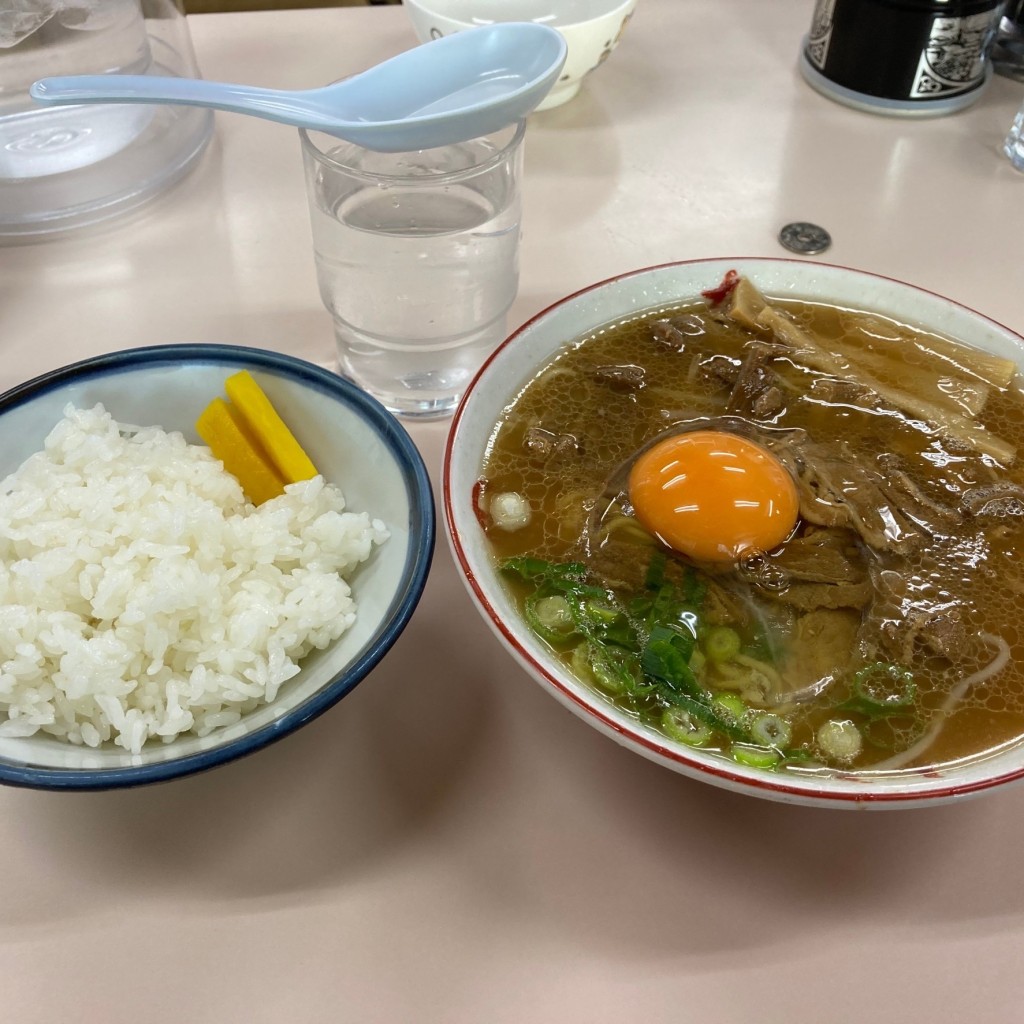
[65,167]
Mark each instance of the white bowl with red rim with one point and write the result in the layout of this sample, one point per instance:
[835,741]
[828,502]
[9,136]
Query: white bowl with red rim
[531,348]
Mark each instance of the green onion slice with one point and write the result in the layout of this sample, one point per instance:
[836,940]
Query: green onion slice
[882,689]
[680,725]
[549,616]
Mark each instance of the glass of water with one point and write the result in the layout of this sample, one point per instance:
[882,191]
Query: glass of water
[417,258]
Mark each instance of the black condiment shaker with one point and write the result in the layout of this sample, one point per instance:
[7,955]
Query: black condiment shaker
[901,57]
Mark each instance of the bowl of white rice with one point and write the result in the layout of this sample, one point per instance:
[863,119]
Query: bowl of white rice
[153,621]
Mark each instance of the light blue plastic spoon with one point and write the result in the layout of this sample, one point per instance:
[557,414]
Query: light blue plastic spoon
[449,90]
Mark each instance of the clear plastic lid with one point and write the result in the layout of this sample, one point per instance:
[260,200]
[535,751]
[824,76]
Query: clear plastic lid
[66,167]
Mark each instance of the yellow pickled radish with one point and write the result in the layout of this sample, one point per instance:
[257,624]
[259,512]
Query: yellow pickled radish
[220,427]
[269,430]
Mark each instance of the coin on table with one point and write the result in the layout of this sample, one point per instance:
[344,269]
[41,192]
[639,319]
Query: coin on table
[805,238]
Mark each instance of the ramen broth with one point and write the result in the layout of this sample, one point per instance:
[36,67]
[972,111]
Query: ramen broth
[923,622]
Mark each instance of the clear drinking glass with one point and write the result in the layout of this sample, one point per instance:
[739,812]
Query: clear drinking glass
[417,258]
[1013,147]
[1008,60]
[1008,45]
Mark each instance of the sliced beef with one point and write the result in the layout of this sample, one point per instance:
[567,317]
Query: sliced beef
[757,392]
[911,497]
[824,556]
[812,596]
[678,332]
[941,632]
[821,647]
[719,369]
[546,444]
[821,568]
[903,620]
[840,487]
[623,378]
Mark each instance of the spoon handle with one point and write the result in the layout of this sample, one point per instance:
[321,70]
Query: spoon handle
[286,107]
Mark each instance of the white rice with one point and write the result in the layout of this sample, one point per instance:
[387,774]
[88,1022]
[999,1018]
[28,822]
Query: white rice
[142,596]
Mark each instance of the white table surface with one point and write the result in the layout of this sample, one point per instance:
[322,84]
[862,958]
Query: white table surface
[448,844]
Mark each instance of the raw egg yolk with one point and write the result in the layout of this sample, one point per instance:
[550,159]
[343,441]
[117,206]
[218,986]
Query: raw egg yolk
[713,496]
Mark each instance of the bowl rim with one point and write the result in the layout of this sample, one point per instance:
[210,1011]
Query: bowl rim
[615,9]
[678,758]
[422,530]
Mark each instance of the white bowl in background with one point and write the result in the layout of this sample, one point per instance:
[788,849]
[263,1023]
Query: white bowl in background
[532,347]
[592,29]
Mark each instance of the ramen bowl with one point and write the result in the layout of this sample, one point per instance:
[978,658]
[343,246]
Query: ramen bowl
[591,28]
[353,441]
[619,300]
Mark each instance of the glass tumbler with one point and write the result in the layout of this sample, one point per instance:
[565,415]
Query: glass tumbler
[417,259]
[1013,147]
